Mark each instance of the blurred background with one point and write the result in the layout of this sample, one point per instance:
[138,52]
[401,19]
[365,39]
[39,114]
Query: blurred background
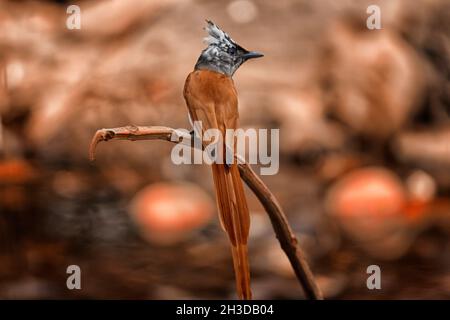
[364,118]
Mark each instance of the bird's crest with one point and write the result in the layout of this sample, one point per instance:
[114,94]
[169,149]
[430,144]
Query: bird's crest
[217,36]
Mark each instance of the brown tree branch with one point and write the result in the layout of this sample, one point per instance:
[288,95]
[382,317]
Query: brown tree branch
[283,231]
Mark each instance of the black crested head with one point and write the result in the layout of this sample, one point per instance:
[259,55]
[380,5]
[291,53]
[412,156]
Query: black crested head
[223,54]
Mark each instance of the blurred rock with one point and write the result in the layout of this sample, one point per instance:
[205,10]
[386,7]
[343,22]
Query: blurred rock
[16,171]
[242,11]
[303,127]
[429,150]
[369,204]
[421,186]
[276,260]
[69,184]
[168,212]
[376,85]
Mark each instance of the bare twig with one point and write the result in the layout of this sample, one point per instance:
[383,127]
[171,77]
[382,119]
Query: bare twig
[283,231]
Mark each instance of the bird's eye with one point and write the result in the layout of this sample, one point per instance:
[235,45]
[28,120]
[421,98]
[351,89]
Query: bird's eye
[232,50]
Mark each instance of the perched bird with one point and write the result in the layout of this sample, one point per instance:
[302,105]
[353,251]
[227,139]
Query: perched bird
[212,99]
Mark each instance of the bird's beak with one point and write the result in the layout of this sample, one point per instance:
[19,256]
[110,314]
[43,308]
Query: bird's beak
[252,55]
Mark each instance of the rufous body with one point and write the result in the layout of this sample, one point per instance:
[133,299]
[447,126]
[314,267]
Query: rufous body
[212,99]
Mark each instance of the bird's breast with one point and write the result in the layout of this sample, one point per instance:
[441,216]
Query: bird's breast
[210,86]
